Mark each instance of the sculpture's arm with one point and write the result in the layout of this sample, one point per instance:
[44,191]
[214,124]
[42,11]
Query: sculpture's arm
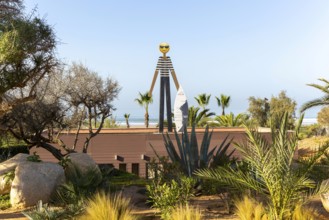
[153,82]
[174,78]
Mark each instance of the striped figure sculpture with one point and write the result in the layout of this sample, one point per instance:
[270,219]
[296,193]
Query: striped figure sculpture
[165,67]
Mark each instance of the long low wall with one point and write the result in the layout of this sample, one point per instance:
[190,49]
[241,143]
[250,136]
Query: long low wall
[129,149]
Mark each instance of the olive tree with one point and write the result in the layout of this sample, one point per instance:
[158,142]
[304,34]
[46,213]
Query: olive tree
[69,98]
[90,99]
[266,112]
[27,45]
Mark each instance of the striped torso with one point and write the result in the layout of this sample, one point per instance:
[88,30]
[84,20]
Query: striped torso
[164,65]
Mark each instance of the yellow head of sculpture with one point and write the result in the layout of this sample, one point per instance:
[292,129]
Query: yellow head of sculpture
[164,48]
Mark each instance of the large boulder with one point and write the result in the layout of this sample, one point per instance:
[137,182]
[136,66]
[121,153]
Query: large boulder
[325,196]
[9,166]
[35,181]
[325,201]
[83,163]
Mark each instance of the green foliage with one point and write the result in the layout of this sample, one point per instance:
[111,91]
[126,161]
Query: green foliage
[64,162]
[162,169]
[127,119]
[266,114]
[34,158]
[324,101]
[259,110]
[271,171]
[203,100]
[27,46]
[103,207]
[280,105]
[231,120]
[323,116]
[45,212]
[189,157]
[200,119]
[79,186]
[166,196]
[307,131]
[223,101]
[4,202]
[145,100]
[110,122]
[9,176]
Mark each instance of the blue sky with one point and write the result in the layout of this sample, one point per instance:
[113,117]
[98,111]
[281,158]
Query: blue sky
[238,48]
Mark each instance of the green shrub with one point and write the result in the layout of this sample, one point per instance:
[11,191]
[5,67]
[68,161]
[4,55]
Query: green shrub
[272,172]
[42,212]
[165,196]
[4,201]
[34,158]
[78,187]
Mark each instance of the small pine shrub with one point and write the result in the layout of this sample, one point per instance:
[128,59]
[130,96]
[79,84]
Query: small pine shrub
[186,213]
[103,207]
[249,209]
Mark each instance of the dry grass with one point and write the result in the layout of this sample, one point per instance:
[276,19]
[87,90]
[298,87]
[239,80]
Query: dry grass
[186,213]
[249,209]
[104,207]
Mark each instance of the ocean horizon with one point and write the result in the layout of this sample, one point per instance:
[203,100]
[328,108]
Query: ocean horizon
[138,121]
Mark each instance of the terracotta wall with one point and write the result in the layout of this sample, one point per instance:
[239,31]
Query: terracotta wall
[126,146]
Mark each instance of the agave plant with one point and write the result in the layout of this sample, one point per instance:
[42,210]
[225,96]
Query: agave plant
[271,171]
[189,157]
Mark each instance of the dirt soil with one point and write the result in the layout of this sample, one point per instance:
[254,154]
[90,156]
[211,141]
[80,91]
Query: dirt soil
[212,207]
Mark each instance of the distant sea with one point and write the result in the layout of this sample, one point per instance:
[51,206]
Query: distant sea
[154,121]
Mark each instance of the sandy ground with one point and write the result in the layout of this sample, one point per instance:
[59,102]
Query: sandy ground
[212,207]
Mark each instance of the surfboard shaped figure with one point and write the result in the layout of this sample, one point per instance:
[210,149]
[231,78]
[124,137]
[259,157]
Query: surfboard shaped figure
[180,110]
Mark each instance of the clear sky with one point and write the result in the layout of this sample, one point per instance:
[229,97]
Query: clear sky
[238,48]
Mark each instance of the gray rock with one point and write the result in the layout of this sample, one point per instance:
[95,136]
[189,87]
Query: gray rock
[83,163]
[5,184]
[35,181]
[9,166]
[325,196]
[325,201]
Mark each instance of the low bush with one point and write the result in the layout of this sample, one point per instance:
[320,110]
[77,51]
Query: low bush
[4,202]
[166,196]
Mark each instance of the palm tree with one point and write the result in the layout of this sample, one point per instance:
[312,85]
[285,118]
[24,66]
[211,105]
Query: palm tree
[144,100]
[203,100]
[271,170]
[320,101]
[224,102]
[231,120]
[127,119]
[200,119]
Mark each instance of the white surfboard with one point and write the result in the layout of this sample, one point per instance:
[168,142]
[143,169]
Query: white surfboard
[180,110]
